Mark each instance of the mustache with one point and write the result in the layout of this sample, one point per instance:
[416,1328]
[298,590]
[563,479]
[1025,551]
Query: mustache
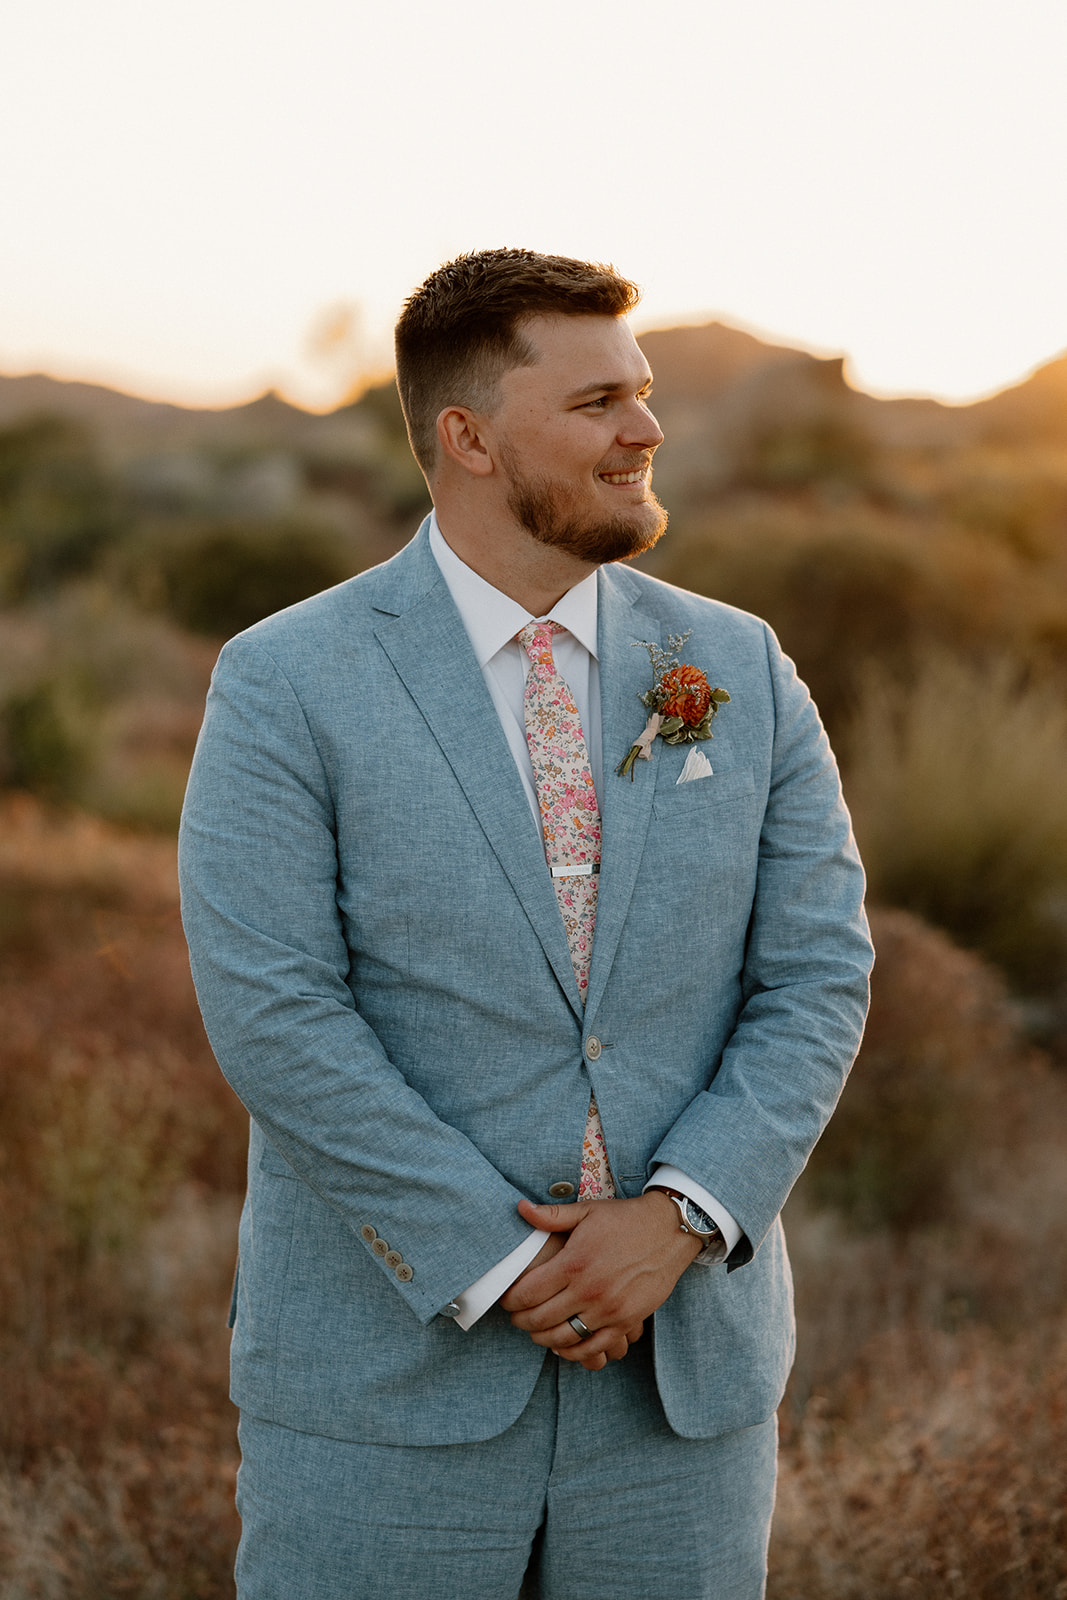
[640,463]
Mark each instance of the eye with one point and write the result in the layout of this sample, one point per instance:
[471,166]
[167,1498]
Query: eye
[599,404]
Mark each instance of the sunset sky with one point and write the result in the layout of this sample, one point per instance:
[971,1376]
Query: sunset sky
[189,192]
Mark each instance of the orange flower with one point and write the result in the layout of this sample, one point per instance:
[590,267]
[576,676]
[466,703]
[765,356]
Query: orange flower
[684,692]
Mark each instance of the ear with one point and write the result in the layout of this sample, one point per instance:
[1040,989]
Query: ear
[461,437]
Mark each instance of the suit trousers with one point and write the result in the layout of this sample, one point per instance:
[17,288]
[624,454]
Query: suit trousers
[589,1495]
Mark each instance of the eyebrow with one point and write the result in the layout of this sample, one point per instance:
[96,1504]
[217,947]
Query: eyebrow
[609,385]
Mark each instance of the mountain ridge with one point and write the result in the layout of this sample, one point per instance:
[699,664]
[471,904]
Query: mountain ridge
[701,366]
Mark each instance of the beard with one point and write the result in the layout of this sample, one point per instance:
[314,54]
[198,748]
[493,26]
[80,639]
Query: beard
[544,507]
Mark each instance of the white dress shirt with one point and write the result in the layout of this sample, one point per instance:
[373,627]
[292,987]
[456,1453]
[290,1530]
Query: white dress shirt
[492,621]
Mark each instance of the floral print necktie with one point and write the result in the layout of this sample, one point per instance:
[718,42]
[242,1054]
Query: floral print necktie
[570,822]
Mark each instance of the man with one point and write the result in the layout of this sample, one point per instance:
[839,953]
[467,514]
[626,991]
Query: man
[521,1037]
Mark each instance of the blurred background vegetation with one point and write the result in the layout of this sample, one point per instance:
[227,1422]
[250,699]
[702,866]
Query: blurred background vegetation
[913,559]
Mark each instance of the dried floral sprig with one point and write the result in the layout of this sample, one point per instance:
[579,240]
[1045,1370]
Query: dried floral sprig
[681,701]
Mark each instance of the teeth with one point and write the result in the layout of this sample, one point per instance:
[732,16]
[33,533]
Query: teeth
[623,477]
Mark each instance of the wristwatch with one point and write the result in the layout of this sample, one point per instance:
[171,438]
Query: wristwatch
[697,1222]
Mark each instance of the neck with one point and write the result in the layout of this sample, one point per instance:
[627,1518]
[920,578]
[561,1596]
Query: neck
[534,575]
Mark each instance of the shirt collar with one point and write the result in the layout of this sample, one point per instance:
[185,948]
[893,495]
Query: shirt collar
[492,619]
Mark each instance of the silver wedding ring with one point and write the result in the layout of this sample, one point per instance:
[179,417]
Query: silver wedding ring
[580,1328]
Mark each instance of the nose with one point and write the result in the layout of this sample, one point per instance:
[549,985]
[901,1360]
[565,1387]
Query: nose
[639,428]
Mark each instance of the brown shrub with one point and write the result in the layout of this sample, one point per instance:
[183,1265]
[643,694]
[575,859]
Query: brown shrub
[100,705]
[937,1083]
[121,1165]
[924,1432]
[956,782]
[848,585]
[936,1468]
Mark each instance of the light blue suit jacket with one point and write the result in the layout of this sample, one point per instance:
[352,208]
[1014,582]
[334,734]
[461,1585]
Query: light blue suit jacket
[385,980]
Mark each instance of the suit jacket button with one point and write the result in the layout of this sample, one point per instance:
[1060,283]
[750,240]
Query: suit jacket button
[380,1247]
[405,1273]
[560,1191]
[368,1233]
[593,1047]
[394,1259]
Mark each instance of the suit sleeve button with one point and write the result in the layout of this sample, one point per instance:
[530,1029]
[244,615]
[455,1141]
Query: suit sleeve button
[451,1310]
[405,1273]
[368,1233]
[593,1047]
[393,1259]
[380,1247]
[560,1190]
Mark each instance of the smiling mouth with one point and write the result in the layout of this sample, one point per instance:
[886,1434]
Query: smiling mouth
[622,478]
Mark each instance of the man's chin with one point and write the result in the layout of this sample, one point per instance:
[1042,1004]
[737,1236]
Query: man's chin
[642,539]
[615,539]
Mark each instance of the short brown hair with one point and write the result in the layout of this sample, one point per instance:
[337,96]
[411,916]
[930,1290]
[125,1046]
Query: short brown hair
[458,332]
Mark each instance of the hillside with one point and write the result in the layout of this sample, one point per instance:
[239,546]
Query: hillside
[124,422]
[723,397]
[711,370]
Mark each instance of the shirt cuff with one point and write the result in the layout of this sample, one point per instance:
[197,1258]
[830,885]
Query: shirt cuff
[672,1178]
[475,1301]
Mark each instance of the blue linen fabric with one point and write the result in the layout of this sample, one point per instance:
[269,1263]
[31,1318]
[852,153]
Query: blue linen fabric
[385,980]
[458,1522]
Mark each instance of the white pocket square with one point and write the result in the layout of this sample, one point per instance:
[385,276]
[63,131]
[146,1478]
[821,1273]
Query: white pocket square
[697,765]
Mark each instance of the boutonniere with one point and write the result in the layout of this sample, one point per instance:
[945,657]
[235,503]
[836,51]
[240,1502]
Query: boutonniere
[681,701]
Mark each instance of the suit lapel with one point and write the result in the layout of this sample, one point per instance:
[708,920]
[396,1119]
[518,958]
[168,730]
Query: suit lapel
[626,808]
[424,638]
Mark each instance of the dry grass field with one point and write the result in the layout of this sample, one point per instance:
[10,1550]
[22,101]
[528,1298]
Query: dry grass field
[925,1430]
[122,1166]
[913,559]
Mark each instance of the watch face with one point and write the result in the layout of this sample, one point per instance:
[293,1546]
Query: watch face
[699,1219]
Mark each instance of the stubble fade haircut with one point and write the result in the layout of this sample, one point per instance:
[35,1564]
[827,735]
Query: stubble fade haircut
[460,331]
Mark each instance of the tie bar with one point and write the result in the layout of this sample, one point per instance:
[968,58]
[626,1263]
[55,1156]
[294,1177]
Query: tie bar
[586,870]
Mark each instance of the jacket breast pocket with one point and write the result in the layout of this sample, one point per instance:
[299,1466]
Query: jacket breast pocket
[722,789]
